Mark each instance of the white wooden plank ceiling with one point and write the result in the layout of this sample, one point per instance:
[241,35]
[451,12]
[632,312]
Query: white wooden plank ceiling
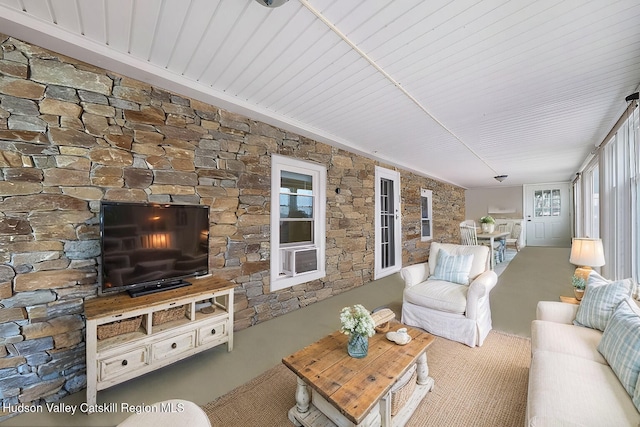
[458,90]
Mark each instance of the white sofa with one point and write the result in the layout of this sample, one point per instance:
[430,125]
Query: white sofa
[570,382]
[454,311]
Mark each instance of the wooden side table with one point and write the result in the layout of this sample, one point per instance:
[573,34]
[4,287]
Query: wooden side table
[569,300]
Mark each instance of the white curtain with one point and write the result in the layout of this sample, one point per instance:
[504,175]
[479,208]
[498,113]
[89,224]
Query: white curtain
[592,207]
[618,167]
[587,201]
[578,197]
[635,194]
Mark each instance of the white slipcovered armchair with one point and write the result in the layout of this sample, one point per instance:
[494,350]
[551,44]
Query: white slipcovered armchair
[459,312]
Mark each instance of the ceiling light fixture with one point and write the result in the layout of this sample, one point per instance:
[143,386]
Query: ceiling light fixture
[272,3]
[500,178]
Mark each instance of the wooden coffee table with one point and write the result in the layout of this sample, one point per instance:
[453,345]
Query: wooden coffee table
[336,389]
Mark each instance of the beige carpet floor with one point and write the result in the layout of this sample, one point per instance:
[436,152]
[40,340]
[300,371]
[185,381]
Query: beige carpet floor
[535,274]
[482,386]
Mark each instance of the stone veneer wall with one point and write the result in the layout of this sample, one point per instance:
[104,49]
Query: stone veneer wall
[72,135]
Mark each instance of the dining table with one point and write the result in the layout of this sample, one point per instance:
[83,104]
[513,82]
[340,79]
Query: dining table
[492,237]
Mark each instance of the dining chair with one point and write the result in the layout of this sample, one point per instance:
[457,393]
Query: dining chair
[514,238]
[468,234]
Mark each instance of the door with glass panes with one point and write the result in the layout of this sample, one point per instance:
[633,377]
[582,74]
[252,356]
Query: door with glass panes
[388,233]
[548,215]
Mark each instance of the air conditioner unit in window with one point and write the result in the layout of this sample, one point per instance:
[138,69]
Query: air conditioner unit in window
[299,260]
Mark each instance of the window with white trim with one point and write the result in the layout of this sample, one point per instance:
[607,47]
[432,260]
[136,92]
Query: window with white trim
[426,221]
[298,218]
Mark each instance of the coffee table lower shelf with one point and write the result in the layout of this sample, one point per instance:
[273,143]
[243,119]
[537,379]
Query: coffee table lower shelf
[315,417]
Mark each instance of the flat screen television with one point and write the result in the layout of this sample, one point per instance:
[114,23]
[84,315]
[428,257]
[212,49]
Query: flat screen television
[150,247]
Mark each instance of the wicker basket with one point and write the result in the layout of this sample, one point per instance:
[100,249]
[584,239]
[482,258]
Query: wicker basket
[401,395]
[119,327]
[169,315]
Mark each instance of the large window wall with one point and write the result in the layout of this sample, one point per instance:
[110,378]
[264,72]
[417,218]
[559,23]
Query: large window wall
[607,199]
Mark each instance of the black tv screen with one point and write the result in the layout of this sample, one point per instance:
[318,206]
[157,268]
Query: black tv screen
[149,247]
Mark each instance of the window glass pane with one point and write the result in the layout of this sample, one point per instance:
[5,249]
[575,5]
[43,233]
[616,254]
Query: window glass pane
[386,195]
[294,206]
[387,223]
[425,215]
[296,231]
[426,228]
[555,202]
[547,203]
[296,183]
[537,203]
[425,207]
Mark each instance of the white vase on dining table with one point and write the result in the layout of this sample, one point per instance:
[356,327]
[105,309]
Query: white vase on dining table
[488,228]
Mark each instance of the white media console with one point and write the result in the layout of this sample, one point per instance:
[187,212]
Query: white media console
[128,337]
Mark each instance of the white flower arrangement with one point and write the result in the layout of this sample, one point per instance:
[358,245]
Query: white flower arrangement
[357,320]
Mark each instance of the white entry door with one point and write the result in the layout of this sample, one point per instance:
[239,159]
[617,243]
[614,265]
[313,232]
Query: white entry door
[547,215]
[388,234]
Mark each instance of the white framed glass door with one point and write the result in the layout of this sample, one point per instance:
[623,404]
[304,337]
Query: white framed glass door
[388,233]
[548,217]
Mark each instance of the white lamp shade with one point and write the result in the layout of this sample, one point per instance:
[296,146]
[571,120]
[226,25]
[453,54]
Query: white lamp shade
[587,252]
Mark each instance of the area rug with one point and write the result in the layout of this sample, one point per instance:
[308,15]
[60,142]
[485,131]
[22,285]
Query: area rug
[509,255]
[482,386]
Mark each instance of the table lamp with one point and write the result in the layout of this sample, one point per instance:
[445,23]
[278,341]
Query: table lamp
[586,253]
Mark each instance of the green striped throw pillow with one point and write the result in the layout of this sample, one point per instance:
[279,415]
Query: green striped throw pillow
[600,301]
[453,268]
[620,346]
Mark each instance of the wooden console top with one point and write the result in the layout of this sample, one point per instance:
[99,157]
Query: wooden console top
[115,304]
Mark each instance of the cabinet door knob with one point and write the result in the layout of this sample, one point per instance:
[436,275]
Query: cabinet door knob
[174,345]
[124,362]
[213,332]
